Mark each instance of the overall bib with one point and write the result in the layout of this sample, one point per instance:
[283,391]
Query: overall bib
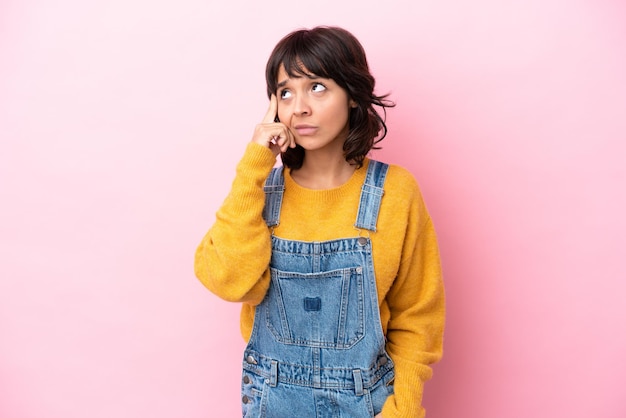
[317,349]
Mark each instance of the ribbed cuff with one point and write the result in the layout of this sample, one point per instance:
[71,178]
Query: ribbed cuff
[257,156]
[406,401]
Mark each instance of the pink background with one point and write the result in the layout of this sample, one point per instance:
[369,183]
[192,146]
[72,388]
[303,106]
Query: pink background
[121,123]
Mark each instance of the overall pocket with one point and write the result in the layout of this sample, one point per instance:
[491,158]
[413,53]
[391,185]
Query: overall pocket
[316,310]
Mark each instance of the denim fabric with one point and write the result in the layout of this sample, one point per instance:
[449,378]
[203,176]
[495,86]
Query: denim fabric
[317,348]
[371,195]
[274,187]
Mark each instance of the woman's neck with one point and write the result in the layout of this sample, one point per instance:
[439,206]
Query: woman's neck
[321,171]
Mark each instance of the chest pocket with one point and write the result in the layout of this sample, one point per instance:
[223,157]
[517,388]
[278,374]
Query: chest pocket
[316,310]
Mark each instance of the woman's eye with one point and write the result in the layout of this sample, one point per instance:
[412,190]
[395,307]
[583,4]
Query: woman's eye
[317,87]
[285,94]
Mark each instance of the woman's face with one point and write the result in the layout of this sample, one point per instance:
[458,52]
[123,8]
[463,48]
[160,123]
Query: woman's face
[315,109]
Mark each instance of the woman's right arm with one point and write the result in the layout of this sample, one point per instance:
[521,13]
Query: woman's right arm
[232,259]
[233,256]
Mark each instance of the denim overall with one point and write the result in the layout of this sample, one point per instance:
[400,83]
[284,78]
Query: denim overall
[317,349]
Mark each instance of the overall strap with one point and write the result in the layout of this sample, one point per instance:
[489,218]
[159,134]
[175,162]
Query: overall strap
[371,195]
[274,188]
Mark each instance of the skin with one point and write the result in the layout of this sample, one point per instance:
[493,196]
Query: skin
[274,135]
[316,111]
[313,113]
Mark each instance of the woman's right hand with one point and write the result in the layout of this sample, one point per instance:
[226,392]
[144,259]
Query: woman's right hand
[274,135]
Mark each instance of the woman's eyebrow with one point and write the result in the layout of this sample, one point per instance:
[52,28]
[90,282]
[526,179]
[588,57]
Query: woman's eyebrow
[308,75]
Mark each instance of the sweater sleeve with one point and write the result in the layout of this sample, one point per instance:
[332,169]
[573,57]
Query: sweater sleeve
[232,258]
[417,315]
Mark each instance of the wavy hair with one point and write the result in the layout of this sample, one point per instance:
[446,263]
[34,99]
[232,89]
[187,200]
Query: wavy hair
[333,52]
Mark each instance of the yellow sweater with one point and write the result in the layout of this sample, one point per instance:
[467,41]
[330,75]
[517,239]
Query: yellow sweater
[232,260]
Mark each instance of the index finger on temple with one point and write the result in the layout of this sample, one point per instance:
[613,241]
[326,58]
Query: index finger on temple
[271,111]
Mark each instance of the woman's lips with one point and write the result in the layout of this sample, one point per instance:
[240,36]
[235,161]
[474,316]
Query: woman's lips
[305,129]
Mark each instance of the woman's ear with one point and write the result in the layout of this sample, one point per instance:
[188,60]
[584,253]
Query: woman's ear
[353,104]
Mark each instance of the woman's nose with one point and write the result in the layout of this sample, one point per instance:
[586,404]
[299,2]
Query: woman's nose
[301,106]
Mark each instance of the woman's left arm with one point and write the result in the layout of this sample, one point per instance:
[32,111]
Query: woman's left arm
[416,304]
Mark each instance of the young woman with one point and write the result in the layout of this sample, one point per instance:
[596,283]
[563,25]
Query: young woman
[334,255]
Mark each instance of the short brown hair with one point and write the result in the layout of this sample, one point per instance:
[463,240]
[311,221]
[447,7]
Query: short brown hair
[333,52]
